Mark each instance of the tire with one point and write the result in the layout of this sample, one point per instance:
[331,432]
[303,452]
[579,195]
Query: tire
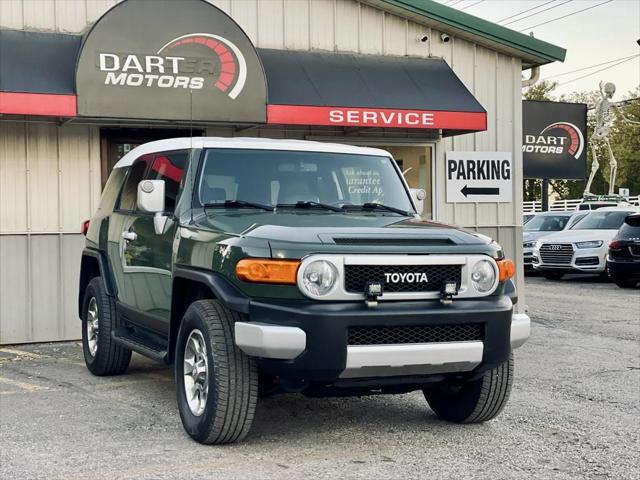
[230,377]
[553,275]
[105,356]
[624,282]
[473,401]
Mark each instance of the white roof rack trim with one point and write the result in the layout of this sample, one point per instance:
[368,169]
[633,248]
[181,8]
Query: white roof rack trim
[244,143]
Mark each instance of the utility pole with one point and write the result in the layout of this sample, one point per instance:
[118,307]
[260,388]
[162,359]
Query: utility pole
[545,194]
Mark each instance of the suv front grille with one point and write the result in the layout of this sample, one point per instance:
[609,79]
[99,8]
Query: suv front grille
[556,253]
[415,334]
[358,276]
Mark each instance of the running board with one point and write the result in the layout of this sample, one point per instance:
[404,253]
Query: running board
[140,343]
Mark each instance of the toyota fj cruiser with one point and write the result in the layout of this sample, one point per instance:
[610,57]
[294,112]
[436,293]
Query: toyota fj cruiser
[261,266]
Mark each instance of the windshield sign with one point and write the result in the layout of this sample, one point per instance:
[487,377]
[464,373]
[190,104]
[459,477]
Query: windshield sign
[599,220]
[546,223]
[286,178]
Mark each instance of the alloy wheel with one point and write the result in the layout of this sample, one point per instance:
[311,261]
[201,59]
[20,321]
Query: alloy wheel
[93,326]
[195,368]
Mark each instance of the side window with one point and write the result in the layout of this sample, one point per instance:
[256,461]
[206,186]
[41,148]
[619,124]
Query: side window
[129,193]
[169,166]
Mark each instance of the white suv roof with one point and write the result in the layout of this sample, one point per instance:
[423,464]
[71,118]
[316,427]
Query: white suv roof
[628,208]
[246,143]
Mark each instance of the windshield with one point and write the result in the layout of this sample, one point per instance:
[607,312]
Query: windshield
[546,223]
[277,177]
[599,220]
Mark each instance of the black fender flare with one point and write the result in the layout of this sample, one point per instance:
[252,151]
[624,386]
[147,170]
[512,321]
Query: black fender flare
[105,273]
[224,291]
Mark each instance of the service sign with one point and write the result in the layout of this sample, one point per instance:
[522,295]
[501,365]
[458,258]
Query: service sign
[554,140]
[175,60]
[485,177]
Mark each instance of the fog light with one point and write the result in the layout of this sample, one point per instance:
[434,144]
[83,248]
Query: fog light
[372,291]
[448,290]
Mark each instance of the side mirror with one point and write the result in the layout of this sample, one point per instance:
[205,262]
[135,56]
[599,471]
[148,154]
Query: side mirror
[151,196]
[151,200]
[418,195]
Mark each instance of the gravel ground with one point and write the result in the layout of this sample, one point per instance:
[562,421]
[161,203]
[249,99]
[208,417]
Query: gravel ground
[573,413]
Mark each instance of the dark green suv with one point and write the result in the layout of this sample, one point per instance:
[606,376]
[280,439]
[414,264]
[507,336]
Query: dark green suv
[261,266]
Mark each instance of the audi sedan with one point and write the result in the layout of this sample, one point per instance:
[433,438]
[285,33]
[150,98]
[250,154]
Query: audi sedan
[582,248]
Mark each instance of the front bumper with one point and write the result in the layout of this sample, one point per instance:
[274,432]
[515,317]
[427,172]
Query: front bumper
[629,268]
[309,341]
[584,260]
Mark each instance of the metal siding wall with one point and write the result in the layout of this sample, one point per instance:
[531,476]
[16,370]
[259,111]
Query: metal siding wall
[49,184]
[11,14]
[15,318]
[13,179]
[322,24]
[246,14]
[347,31]
[297,24]
[270,24]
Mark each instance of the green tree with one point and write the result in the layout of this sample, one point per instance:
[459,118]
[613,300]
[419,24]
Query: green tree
[532,187]
[625,142]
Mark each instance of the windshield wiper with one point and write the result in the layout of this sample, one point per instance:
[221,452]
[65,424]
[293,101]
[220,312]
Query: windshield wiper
[309,204]
[239,204]
[373,206]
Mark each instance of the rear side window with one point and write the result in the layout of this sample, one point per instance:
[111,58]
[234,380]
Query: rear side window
[630,228]
[129,194]
[169,166]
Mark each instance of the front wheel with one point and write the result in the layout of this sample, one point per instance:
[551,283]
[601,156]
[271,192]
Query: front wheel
[217,383]
[473,401]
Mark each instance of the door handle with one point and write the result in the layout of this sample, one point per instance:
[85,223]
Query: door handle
[130,236]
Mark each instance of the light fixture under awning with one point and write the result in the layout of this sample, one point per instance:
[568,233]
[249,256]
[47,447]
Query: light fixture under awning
[351,90]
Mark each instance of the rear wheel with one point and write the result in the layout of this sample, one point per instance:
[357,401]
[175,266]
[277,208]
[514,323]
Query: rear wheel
[217,383]
[553,275]
[102,355]
[473,401]
[623,282]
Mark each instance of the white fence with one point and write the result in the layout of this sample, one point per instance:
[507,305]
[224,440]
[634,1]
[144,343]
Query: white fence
[562,205]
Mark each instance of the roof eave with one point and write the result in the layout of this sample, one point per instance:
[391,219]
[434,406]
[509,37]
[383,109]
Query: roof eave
[530,50]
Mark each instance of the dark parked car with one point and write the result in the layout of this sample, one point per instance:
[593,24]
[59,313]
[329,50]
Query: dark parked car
[624,253]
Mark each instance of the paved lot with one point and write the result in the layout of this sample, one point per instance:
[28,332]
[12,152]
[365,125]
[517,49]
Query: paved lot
[574,413]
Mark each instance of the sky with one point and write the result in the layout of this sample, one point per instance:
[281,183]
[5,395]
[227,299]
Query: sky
[603,33]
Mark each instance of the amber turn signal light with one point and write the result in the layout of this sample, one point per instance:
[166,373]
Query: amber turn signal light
[261,270]
[506,268]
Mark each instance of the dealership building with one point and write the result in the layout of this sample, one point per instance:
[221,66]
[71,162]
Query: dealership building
[83,82]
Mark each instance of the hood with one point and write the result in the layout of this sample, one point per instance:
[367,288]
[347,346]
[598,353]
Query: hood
[581,235]
[323,227]
[533,235]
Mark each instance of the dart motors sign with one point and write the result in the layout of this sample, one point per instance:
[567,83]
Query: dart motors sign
[170,60]
[554,140]
[479,177]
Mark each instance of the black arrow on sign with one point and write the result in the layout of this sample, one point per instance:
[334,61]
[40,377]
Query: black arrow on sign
[466,191]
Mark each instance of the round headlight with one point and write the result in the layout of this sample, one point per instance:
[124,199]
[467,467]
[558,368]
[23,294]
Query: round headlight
[318,278]
[483,276]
